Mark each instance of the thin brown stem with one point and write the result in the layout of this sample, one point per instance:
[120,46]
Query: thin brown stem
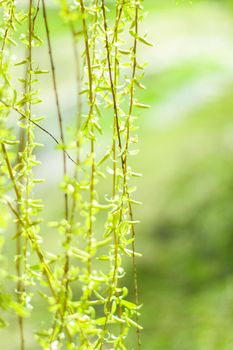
[65,281]
[11,14]
[20,288]
[41,128]
[132,92]
[92,150]
[59,114]
[123,154]
[107,45]
[10,170]
[79,113]
[50,278]
[36,14]
[116,131]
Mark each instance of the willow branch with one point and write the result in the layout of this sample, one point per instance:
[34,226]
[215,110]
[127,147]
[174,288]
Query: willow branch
[10,15]
[90,114]
[59,114]
[123,154]
[41,128]
[132,92]
[51,280]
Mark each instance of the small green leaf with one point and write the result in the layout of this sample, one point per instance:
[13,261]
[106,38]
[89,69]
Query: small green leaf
[21,62]
[40,71]
[145,41]
[141,105]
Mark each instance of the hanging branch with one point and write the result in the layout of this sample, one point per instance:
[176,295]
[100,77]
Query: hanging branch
[18,263]
[46,268]
[65,278]
[123,156]
[8,26]
[107,45]
[128,121]
[50,278]
[57,101]
[116,130]
[41,128]
[119,11]
[20,288]
[88,303]
[92,150]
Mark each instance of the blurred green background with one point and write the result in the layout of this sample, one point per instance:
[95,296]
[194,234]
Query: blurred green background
[186,157]
[186,234]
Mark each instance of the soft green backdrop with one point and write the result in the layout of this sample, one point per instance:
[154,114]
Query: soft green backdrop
[186,156]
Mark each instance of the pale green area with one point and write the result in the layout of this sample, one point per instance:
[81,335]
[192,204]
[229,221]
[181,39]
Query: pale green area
[186,156]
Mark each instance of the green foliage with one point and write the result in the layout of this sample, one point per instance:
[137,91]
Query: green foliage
[84,283]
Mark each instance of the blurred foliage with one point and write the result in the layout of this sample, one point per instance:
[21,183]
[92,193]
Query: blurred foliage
[186,275]
[186,235]
[187,271]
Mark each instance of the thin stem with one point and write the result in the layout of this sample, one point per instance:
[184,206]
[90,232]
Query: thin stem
[41,128]
[116,130]
[11,14]
[10,170]
[78,81]
[111,77]
[79,115]
[132,92]
[50,278]
[116,81]
[36,14]
[92,150]
[57,100]
[65,282]
[123,155]
[20,288]
[65,279]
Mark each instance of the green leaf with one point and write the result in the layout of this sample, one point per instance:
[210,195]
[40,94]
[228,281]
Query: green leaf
[19,309]
[41,71]
[10,142]
[104,158]
[103,257]
[141,105]
[133,323]
[128,304]
[21,62]
[145,41]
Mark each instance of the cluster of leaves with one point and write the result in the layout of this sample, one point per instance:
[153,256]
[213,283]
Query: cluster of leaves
[83,285]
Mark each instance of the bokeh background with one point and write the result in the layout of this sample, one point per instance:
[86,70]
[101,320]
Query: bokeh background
[186,157]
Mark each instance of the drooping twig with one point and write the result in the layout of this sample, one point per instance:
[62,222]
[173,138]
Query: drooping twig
[90,114]
[123,154]
[50,278]
[132,88]
[59,114]
[5,35]
[41,128]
